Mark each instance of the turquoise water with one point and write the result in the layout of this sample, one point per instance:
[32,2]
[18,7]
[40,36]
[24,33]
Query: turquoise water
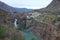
[29,36]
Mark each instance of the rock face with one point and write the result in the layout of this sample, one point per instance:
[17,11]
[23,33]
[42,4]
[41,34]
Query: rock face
[53,7]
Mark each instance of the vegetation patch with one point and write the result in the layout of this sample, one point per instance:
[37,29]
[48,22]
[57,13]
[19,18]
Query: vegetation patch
[45,16]
[2,31]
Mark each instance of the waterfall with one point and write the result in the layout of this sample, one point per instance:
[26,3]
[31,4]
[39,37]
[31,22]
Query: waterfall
[15,23]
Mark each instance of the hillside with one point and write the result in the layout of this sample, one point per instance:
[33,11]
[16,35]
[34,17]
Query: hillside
[7,29]
[41,26]
[53,7]
[8,8]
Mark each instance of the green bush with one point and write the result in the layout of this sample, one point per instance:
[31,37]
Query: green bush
[2,31]
[33,38]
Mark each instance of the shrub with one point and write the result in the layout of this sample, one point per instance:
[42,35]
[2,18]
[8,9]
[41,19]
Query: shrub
[33,38]
[2,31]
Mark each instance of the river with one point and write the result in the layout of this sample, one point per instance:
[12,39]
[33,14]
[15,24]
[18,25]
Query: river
[27,35]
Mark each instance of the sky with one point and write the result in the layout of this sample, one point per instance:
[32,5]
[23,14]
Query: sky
[30,4]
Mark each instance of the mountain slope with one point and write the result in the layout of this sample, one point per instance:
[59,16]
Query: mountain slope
[53,7]
[12,9]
